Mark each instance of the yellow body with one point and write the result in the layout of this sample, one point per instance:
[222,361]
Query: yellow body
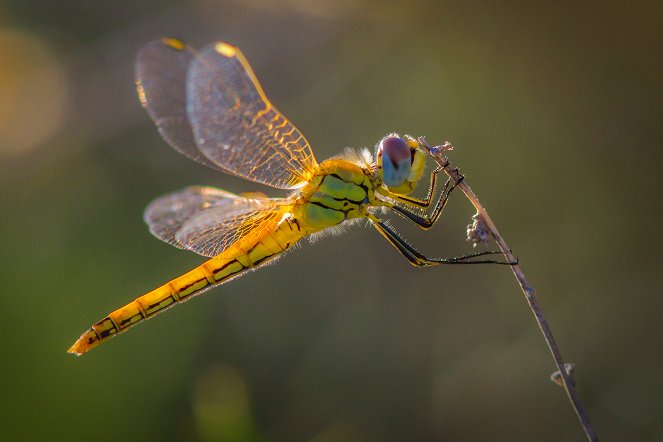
[339,190]
[209,106]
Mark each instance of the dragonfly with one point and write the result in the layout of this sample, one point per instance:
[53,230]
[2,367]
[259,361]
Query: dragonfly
[208,105]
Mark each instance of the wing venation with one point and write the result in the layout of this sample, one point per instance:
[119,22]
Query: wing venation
[206,220]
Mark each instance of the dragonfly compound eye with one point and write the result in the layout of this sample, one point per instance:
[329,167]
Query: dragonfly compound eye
[395,158]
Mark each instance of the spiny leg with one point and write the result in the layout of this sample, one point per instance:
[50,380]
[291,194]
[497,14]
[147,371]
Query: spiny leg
[416,258]
[427,221]
[425,202]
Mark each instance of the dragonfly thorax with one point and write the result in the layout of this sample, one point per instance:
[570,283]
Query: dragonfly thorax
[340,190]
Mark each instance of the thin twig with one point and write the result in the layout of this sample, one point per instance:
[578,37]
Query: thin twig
[529,292]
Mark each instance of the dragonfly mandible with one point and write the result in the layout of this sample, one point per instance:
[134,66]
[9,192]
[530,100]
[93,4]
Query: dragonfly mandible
[209,106]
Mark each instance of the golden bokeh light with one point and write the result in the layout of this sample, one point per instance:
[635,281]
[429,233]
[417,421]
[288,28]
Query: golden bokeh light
[207,9]
[33,92]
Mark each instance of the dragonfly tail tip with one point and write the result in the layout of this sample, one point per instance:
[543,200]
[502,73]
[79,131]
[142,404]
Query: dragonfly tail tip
[75,349]
[87,341]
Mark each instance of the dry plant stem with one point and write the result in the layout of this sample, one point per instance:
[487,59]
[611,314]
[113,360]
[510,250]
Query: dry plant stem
[528,290]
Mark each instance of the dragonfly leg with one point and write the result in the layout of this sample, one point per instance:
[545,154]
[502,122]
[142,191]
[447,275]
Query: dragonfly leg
[416,258]
[426,221]
[421,202]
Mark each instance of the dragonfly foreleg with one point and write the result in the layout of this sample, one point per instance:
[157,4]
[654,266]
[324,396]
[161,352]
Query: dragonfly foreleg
[419,202]
[416,258]
[426,221]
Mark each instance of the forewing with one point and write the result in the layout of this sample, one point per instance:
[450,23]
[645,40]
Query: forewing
[205,220]
[161,70]
[236,126]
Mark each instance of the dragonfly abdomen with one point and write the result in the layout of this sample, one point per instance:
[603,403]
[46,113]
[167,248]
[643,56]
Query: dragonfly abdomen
[178,290]
[245,254]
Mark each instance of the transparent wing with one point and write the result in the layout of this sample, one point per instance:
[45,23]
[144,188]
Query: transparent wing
[161,70]
[207,234]
[206,220]
[236,126]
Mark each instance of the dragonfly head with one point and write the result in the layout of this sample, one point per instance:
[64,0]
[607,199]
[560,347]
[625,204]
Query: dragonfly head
[400,163]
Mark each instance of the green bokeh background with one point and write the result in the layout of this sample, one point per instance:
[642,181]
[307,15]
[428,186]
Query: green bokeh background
[555,112]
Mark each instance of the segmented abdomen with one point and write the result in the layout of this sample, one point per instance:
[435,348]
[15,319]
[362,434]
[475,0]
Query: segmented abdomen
[255,249]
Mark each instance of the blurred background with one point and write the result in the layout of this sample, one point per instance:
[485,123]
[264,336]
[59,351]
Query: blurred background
[555,112]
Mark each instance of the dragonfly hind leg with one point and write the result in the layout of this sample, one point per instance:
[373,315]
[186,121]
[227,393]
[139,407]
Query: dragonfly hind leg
[416,258]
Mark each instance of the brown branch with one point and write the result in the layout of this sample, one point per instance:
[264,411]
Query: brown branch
[562,373]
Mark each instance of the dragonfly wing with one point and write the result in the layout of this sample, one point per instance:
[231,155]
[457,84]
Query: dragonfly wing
[161,69]
[208,233]
[206,220]
[235,125]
